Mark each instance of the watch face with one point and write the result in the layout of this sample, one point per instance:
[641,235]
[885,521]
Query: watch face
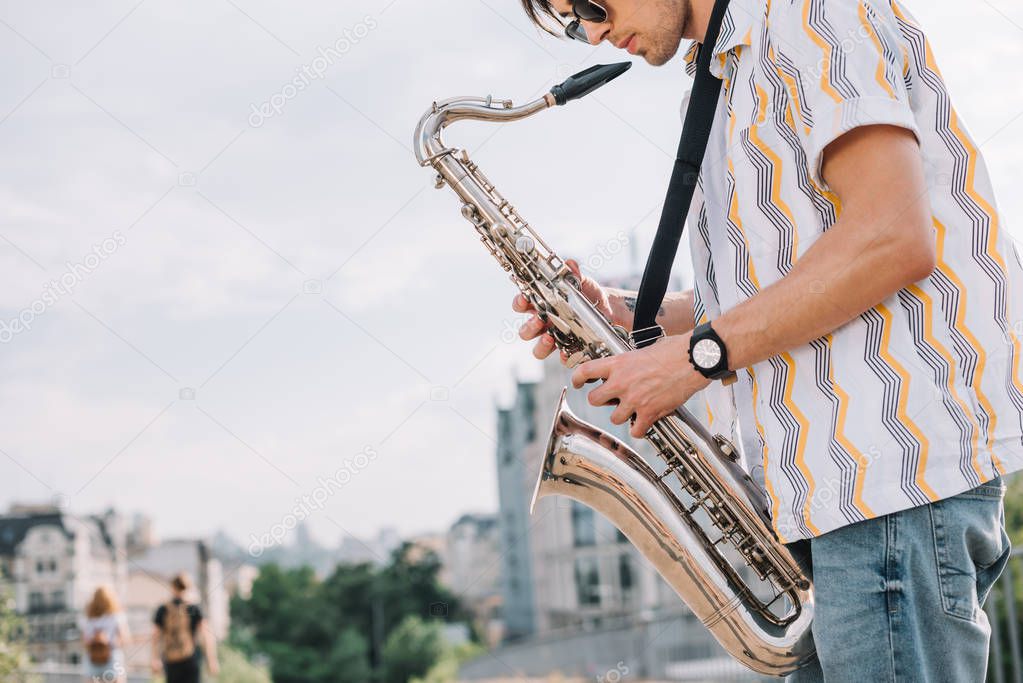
[706,353]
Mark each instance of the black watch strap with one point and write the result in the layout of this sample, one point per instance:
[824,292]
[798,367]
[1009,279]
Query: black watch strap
[719,371]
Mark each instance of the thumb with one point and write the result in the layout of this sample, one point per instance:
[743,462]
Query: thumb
[588,286]
[573,265]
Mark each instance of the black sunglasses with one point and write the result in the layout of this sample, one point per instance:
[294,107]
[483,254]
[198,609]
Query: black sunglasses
[584,10]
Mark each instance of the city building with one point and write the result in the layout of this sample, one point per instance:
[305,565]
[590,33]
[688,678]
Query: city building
[473,570]
[583,572]
[51,561]
[516,433]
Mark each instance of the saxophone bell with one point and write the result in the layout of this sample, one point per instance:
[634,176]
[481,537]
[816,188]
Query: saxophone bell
[588,465]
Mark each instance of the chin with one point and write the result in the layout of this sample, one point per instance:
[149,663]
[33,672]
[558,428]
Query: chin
[656,58]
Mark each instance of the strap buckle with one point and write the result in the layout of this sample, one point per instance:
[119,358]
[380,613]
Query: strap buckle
[646,336]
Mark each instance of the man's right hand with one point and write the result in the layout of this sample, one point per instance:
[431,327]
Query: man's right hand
[600,296]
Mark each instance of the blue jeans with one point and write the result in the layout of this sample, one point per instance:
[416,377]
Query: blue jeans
[898,597]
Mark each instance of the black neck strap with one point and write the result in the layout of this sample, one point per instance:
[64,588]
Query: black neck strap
[691,147]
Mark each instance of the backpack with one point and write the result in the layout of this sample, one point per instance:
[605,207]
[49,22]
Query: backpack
[99,647]
[176,639]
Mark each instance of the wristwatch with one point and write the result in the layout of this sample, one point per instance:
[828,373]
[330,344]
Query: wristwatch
[708,355]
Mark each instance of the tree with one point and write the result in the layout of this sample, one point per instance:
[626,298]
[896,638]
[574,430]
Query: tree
[349,659]
[14,660]
[412,649]
[337,629]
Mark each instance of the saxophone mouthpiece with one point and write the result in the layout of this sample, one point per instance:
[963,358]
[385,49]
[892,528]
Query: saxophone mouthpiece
[583,83]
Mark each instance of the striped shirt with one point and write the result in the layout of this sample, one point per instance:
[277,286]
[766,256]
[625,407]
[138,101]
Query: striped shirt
[918,398]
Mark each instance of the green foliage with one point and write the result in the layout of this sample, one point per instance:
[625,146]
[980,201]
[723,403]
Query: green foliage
[412,649]
[340,629]
[1014,508]
[349,659]
[446,668]
[14,661]
[235,668]
[1001,593]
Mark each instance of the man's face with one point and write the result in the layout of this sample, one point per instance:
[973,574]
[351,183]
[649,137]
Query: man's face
[651,29]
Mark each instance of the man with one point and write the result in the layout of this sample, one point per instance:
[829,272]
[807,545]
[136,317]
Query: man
[175,648]
[851,267]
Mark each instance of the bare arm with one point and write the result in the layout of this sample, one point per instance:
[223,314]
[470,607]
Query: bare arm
[209,646]
[123,634]
[675,314]
[155,662]
[882,242]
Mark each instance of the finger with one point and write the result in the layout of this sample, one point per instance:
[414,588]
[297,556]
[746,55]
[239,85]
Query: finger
[531,328]
[591,370]
[521,305]
[544,347]
[621,414]
[602,395]
[573,265]
[640,427]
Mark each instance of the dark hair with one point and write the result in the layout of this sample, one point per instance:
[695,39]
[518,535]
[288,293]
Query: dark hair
[539,11]
[181,582]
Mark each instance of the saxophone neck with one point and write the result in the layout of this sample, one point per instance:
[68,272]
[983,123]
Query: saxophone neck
[442,114]
[428,143]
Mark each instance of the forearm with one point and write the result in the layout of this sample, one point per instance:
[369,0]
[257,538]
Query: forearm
[848,270]
[209,645]
[675,314]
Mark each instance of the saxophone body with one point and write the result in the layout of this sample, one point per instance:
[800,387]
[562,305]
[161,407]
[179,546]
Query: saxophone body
[700,520]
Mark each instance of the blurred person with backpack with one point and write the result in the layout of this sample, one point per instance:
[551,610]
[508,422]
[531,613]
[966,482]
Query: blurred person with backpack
[178,627]
[104,635]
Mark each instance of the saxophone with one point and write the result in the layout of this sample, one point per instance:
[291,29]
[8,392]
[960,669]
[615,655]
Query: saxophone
[701,520]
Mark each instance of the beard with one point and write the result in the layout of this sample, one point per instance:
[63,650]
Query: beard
[664,40]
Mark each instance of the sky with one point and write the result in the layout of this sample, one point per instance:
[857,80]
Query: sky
[221,296]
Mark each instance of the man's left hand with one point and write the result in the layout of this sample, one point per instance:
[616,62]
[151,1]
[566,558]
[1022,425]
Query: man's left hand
[648,383]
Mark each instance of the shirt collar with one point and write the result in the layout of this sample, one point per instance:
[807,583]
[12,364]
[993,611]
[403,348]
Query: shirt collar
[736,29]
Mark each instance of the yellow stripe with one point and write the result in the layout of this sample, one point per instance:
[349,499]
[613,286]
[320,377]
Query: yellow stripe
[861,460]
[776,192]
[767,478]
[793,90]
[804,430]
[733,206]
[880,74]
[825,61]
[902,410]
[937,346]
[960,325]
[790,86]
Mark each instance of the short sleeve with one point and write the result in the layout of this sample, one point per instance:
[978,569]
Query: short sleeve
[845,63]
[161,611]
[196,615]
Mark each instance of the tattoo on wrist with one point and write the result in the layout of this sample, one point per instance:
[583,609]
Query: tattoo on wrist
[630,303]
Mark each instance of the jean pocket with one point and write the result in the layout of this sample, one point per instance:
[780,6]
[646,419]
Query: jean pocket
[990,489]
[969,542]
